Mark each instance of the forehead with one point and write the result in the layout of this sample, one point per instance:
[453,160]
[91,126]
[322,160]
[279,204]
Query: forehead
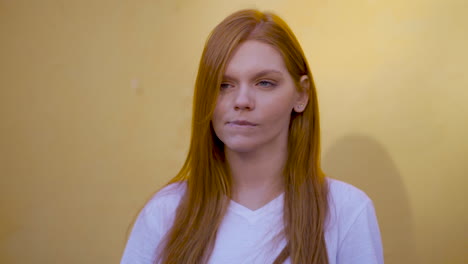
[253,56]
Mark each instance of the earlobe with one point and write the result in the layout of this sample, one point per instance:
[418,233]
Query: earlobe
[299,108]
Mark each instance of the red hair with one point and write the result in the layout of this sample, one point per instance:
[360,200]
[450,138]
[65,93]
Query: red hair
[202,208]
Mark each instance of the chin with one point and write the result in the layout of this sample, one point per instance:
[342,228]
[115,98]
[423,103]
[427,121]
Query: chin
[240,147]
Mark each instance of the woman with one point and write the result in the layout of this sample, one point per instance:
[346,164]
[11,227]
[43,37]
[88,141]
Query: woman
[251,189]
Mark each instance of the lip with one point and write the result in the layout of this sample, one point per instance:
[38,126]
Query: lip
[244,123]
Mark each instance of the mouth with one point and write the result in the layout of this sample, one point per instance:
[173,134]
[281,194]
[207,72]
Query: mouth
[244,123]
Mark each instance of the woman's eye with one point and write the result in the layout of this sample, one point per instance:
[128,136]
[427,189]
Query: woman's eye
[266,84]
[224,86]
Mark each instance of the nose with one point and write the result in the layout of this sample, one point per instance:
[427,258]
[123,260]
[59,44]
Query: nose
[244,98]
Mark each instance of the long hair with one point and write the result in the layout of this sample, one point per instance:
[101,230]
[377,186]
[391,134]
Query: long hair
[201,210]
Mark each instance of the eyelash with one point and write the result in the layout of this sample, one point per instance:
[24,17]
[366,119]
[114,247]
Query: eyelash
[263,83]
[222,86]
[269,83]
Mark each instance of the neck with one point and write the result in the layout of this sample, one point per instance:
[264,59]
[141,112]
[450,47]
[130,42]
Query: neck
[257,177]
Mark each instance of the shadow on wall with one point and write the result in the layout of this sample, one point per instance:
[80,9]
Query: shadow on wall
[364,163]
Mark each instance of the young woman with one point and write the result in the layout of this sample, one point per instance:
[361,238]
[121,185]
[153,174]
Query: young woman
[251,189]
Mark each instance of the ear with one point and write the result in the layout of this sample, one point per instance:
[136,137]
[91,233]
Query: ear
[303,95]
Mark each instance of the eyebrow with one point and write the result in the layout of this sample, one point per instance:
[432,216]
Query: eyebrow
[257,75]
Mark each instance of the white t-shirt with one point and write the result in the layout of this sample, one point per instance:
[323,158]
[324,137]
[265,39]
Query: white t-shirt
[352,233]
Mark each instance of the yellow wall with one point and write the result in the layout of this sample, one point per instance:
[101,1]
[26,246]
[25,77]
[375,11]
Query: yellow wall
[95,113]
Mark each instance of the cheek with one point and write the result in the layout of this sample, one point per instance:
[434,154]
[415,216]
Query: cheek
[221,106]
[218,115]
[279,109]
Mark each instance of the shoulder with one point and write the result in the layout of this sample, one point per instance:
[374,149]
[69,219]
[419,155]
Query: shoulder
[171,191]
[346,203]
[167,197]
[352,231]
[345,194]
[161,208]
[153,221]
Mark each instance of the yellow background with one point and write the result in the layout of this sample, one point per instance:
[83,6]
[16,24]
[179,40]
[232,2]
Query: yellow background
[95,115]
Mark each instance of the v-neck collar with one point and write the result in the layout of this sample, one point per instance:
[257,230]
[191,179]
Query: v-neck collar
[252,215]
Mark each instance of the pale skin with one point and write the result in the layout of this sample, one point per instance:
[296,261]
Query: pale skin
[252,118]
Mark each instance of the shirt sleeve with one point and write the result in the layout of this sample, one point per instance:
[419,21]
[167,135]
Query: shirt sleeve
[144,238]
[362,243]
